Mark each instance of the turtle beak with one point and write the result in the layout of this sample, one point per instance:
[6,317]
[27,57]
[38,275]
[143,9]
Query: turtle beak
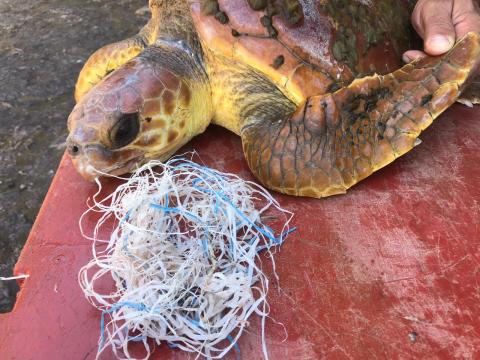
[94,160]
[87,171]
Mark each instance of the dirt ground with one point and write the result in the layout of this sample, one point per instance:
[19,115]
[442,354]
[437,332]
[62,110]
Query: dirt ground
[43,44]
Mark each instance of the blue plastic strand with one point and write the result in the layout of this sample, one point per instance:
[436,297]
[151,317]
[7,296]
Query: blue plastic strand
[235,346]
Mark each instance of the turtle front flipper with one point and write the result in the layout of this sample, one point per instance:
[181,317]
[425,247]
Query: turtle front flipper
[110,57]
[333,141]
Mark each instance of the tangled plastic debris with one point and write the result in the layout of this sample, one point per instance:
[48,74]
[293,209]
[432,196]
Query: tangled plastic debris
[184,255]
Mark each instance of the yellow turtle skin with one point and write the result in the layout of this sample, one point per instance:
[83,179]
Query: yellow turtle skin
[314,118]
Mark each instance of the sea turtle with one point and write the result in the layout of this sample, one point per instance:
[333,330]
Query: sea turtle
[296,79]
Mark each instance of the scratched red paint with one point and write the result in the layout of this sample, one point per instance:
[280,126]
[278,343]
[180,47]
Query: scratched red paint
[398,254]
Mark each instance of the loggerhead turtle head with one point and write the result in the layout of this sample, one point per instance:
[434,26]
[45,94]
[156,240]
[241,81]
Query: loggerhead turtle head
[138,112]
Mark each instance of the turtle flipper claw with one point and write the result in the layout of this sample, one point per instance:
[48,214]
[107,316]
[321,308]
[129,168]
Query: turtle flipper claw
[335,140]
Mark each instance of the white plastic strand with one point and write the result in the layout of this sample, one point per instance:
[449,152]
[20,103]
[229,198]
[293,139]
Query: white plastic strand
[18,277]
[184,255]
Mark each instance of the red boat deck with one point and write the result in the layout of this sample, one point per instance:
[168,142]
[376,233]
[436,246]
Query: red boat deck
[391,270]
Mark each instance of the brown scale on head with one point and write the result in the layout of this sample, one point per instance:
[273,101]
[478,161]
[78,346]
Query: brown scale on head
[135,113]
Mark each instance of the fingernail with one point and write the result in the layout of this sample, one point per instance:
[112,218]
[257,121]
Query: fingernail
[406,59]
[440,43]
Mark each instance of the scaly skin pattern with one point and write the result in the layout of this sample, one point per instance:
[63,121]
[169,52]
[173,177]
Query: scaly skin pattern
[168,20]
[333,141]
[110,57]
[149,105]
[104,61]
[168,105]
[308,128]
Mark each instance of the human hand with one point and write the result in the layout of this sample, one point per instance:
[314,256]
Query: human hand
[442,22]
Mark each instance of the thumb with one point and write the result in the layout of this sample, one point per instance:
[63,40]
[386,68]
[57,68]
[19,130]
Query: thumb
[439,32]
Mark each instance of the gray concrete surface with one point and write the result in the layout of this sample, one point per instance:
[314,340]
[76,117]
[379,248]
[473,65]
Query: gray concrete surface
[43,44]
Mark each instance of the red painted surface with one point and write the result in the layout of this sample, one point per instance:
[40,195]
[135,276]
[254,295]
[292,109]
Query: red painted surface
[400,253]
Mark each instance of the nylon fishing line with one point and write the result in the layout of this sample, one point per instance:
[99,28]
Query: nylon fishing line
[184,254]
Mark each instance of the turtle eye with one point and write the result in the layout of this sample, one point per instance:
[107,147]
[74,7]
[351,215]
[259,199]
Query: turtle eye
[125,130]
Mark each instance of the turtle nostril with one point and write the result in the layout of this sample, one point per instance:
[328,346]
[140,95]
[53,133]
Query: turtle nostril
[73,149]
